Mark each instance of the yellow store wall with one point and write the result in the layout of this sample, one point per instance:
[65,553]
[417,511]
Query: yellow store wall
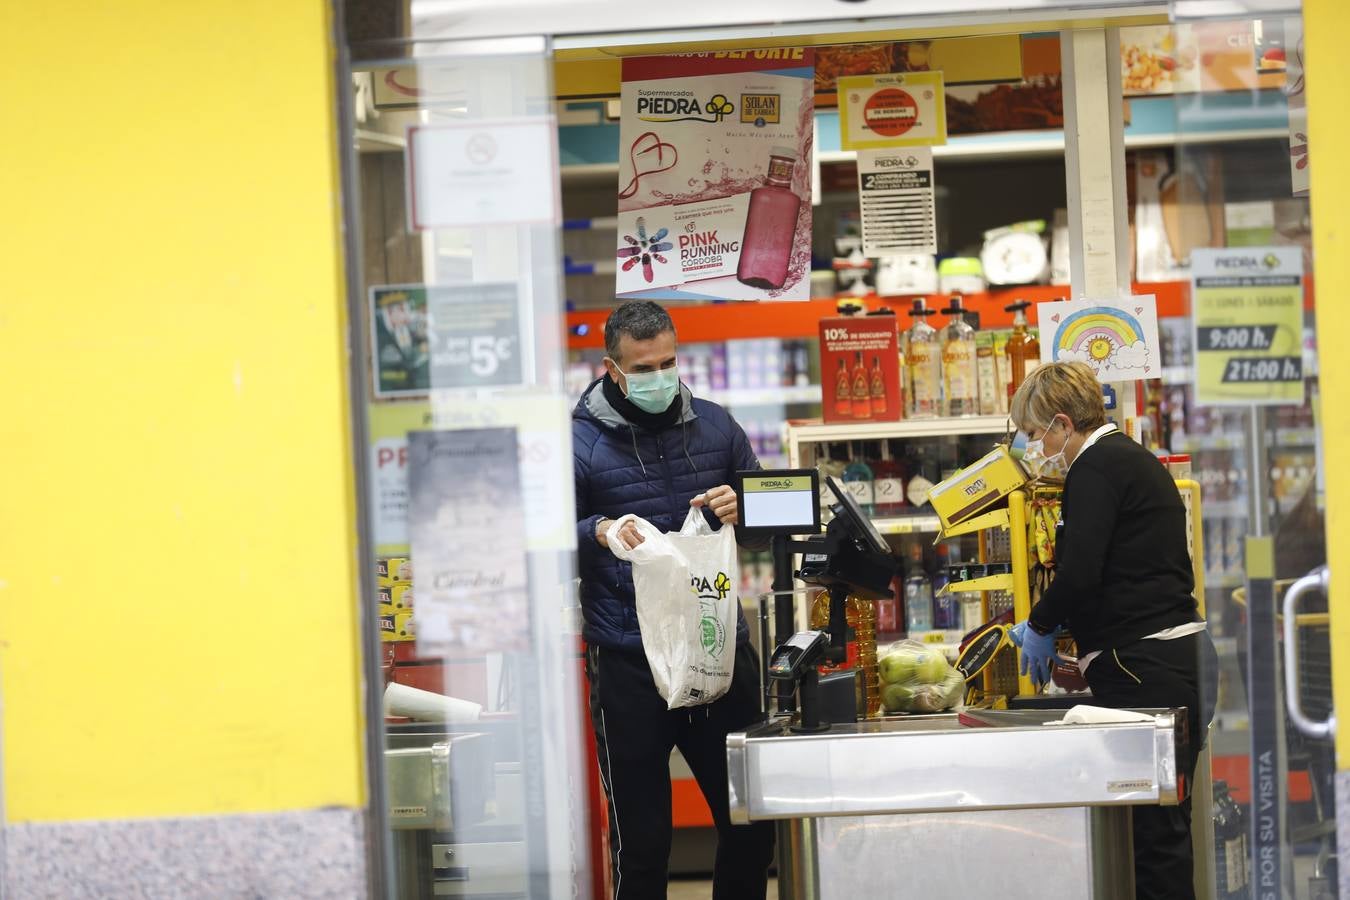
[178,629]
[1325,22]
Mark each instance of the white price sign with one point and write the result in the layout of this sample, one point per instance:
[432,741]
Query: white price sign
[455,336]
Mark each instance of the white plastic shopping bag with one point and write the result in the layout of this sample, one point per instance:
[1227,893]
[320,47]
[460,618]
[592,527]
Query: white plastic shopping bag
[686,605]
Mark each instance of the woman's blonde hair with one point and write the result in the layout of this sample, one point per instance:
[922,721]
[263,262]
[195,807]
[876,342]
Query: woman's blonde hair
[1070,388]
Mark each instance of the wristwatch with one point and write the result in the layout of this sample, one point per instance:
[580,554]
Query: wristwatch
[1031,623]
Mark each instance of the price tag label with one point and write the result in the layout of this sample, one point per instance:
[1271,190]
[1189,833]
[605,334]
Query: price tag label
[860,491]
[455,336]
[1248,305]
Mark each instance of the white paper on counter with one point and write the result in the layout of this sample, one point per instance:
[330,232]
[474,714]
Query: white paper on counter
[428,706]
[1082,714]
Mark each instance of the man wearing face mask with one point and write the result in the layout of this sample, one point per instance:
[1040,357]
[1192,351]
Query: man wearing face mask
[1123,586]
[643,444]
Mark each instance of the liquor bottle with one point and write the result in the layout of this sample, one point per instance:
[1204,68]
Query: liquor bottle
[946,606]
[860,646]
[1001,365]
[878,379]
[890,620]
[987,372]
[925,364]
[843,390]
[1024,350]
[959,372]
[902,351]
[918,594]
[889,483]
[770,225]
[861,400]
[859,481]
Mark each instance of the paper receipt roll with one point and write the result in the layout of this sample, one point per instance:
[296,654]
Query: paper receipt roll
[427,706]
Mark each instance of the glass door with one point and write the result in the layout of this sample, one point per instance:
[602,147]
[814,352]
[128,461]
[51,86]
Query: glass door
[479,787]
[1225,209]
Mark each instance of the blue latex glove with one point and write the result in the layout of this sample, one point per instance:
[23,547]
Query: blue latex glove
[1038,652]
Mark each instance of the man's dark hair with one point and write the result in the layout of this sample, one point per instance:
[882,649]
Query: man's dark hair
[641,320]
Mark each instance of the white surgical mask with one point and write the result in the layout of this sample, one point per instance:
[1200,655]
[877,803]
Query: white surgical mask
[1040,465]
[652,392]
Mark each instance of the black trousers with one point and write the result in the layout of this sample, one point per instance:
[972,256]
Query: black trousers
[634,734]
[1154,673]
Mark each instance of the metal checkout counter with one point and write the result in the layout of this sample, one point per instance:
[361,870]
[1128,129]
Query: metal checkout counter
[946,805]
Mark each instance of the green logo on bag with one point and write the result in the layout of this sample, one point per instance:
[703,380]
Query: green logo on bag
[712,633]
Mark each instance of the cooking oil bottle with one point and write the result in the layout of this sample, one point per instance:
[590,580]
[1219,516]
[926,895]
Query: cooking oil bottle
[1024,350]
[860,645]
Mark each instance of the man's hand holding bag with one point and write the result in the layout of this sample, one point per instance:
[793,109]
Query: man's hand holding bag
[685,584]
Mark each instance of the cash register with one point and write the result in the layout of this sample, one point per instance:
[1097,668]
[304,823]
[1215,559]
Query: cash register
[849,557]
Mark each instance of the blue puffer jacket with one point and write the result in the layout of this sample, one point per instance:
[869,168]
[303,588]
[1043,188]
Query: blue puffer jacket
[621,468]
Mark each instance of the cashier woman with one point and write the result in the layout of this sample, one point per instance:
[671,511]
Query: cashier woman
[1123,588]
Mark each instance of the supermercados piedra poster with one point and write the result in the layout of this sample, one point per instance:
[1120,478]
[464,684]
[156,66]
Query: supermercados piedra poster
[715,176]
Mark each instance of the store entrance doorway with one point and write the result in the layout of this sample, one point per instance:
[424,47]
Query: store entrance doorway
[444,261]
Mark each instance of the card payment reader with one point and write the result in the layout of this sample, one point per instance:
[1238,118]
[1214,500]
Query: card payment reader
[850,557]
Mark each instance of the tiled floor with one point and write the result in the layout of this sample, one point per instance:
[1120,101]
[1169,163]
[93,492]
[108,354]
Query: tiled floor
[697,889]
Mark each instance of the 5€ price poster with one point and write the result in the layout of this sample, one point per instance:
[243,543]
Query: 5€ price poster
[466,519]
[895,190]
[450,336]
[903,109]
[714,192]
[1248,314]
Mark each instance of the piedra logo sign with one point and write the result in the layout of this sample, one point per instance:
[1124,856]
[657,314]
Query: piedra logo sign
[682,106]
[712,634]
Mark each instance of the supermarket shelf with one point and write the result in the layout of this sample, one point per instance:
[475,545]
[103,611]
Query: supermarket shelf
[1231,440]
[1295,437]
[699,322]
[1051,143]
[872,431]
[768,396]
[987,583]
[1028,144]
[918,524]
[1177,374]
[1225,509]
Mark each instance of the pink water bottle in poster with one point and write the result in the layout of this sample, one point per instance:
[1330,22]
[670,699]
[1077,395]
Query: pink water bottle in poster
[714,185]
[770,225]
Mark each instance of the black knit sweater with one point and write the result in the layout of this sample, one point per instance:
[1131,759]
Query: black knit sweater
[1122,569]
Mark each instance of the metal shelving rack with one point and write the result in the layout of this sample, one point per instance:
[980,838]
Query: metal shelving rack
[801,438]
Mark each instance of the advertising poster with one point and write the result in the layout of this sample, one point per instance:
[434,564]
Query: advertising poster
[1298,107]
[389,425]
[860,369]
[895,188]
[1248,314]
[466,520]
[903,109]
[1205,56]
[453,336]
[543,436]
[1117,338]
[715,176]
[980,60]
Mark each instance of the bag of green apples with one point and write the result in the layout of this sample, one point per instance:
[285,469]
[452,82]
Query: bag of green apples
[917,678]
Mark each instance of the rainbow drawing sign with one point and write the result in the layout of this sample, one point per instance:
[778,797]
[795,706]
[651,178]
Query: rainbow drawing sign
[1117,338]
